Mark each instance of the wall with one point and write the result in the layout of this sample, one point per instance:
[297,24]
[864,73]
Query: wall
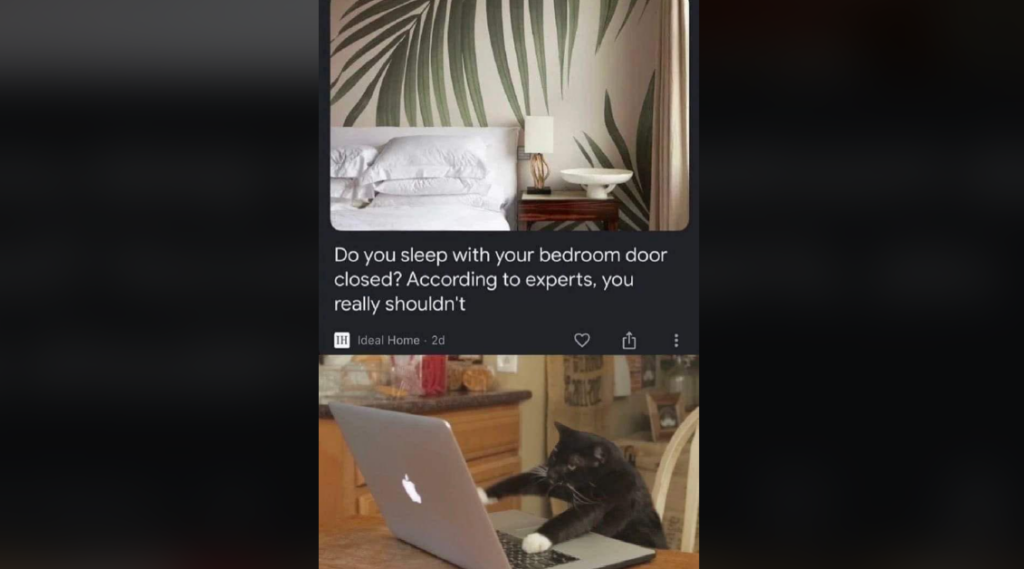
[600,93]
[530,375]
[627,415]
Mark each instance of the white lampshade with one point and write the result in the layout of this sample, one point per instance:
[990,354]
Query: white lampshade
[540,135]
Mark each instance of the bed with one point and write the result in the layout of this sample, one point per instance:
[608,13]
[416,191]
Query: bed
[501,160]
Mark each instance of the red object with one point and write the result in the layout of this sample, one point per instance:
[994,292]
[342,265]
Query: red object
[434,373]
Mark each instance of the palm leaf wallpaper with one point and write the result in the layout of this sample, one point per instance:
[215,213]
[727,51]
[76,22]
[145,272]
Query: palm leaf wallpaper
[486,63]
[635,195]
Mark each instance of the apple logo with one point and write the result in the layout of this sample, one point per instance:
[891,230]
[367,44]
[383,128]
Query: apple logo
[410,489]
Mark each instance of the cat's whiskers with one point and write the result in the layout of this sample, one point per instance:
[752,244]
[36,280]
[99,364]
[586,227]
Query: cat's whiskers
[577,494]
[538,473]
[585,500]
[576,502]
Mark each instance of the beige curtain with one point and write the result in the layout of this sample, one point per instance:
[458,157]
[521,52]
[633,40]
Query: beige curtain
[670,178]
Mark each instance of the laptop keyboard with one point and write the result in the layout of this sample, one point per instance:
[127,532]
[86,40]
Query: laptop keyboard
[520,559]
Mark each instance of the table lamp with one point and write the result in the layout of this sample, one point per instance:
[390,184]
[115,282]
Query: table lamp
[540,140]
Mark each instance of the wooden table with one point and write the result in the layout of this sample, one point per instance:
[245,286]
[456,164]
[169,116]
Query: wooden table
[567,205]
[365,543]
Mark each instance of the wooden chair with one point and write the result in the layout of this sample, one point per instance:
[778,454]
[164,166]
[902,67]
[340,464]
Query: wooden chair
[689,428]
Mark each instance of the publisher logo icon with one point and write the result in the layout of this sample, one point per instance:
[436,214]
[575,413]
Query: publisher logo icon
[342,340]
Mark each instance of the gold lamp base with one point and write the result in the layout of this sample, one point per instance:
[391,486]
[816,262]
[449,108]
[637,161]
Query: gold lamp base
[540,170]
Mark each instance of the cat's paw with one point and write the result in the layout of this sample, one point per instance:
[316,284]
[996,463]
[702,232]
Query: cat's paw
[484,498]
[536,543]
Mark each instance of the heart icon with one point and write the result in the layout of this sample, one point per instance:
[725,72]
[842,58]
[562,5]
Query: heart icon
[582,339]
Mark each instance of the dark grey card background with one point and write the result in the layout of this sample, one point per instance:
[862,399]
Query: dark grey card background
[662,304]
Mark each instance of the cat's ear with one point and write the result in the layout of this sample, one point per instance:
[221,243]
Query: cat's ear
[562,429]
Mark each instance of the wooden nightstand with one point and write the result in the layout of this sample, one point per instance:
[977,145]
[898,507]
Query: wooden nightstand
[569,205]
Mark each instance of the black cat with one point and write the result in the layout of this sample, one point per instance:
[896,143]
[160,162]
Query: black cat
[606,493]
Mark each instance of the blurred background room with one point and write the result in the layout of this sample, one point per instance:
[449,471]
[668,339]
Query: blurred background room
[502,411]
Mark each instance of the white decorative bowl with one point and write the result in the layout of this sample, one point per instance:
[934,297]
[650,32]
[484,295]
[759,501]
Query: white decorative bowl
[599,182]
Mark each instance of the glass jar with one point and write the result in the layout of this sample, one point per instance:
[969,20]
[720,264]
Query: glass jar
[478,377]
[434,375]
[408,378]
[455,369]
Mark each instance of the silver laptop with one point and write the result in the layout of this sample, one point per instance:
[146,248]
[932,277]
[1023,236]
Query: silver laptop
[421,484]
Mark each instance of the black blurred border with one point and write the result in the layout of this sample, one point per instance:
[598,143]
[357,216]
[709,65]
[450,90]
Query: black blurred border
[861,179]
[862,189]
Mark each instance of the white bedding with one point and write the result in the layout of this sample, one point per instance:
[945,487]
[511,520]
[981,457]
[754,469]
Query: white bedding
[501,160]
[437,218]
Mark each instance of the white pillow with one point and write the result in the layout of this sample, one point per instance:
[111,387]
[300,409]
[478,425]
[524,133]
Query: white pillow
[488,202]
[351,161]
[500,156]
[432,187]
[406,157]
[350,189]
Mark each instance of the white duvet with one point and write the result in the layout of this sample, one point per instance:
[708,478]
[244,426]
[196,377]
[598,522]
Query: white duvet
[433,218]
